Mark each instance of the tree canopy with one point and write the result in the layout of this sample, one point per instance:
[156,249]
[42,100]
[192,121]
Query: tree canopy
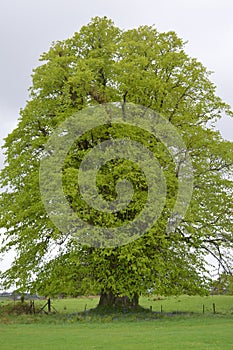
[102,64]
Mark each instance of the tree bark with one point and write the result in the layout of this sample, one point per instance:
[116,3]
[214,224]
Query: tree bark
[111,300]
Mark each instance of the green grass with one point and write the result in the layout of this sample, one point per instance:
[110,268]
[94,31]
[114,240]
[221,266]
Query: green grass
[223,304]
[194,304]
[201,334]
[72,328]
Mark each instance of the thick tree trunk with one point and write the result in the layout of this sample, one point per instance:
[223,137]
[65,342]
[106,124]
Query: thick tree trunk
[111,300]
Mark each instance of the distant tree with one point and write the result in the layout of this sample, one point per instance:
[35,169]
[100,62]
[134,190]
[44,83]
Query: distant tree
[98,65]
[223,285]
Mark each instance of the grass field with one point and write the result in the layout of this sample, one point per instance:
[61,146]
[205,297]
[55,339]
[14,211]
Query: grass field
[174,335]
[71,329]
[193,304]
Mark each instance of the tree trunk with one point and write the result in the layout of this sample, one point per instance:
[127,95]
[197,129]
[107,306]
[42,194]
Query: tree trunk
[111,300]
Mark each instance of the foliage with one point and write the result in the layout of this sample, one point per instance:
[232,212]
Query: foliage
[223,285]
[101,64]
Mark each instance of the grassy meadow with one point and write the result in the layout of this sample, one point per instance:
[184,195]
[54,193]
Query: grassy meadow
[180,325]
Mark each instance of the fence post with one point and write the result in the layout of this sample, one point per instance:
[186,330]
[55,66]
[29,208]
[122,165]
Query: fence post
[49,305]
[203,308]
[33,307]
[214,309]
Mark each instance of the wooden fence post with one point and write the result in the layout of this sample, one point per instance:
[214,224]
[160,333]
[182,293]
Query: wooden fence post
[49,305]
[214,309]
[32,307]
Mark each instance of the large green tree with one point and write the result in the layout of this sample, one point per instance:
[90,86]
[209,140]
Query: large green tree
[98,65]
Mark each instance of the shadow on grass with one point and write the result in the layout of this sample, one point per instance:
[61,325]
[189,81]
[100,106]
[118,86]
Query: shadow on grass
[21,313]
[108,314]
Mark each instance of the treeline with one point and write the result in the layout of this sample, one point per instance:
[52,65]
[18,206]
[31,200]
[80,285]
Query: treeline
[223,285]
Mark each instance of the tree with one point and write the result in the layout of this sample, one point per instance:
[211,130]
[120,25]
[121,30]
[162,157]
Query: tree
[223,285]
[101,64]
